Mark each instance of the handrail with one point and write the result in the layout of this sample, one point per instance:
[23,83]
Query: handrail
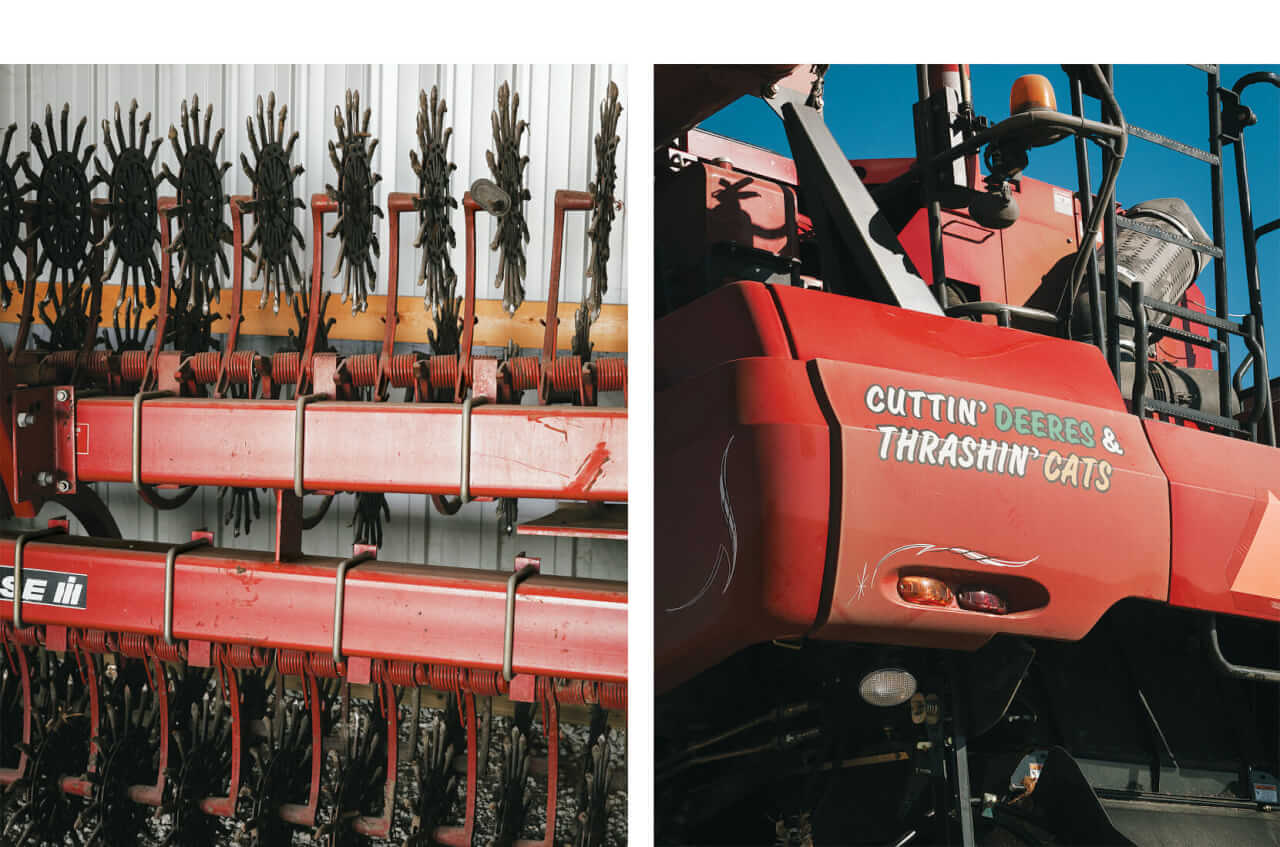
[1227,667]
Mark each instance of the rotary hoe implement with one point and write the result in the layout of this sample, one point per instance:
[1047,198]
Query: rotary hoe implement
[188,694]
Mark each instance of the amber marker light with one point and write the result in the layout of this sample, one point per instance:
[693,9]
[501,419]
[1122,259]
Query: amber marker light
[924,591]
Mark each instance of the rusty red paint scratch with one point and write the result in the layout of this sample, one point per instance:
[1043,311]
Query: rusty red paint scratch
[590,471]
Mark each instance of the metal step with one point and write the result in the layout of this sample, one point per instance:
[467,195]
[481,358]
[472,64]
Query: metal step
[1189,414]
[1155,232]
[581,520]
[1185,335]
[1172,144]
[1175,823]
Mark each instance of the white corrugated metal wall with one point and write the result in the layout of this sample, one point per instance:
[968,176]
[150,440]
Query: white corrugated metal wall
[561,104]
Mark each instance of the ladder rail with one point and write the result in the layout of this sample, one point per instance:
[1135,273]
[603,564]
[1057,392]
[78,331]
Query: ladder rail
[1260,426]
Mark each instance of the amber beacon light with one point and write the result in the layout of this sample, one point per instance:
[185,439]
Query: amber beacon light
[1031,92]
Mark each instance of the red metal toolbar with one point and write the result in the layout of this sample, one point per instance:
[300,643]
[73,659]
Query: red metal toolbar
[561,627]
[560,452]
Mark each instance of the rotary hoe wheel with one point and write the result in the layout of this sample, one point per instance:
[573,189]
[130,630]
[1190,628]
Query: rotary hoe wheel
[130,729]
[507,166]
[274,201]
[11,214]
[62,231]
[131,207]
[435,202]
[603,209]
[36,812]
[602,189]
[352,158]
[203,231]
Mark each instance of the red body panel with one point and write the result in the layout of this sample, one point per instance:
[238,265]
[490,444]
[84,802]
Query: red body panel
[778,517]
[741,529]
[1063,579]
[1233,481]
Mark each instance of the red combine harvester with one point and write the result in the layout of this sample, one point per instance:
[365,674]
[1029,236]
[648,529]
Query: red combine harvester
[967,518]
[191,694]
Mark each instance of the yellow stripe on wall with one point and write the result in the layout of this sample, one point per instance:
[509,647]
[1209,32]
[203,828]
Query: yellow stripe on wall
[493,329]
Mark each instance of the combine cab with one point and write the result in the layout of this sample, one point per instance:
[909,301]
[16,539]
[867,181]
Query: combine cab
[182,692]
[967,511]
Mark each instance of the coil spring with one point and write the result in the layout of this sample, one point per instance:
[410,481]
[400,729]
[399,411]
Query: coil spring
[444,678]
[62,360]
[243,368]
[244,656]
[133,364]
[610,374]
[99,364]
[93,641]
[284,367]
[322,664]
[132,644]
[27,636]
[291,662]
[404,673]
[362,369]
[486,683]
[526,373]
[576,691]
[204,367]
[442,371]
[95,364]
[175,652]
[298,663]
[612,695]
[403,369]
[565,374]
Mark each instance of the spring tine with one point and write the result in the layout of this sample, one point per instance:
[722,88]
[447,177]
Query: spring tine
[265,122]
[284,112]
[186,126]
[253,145]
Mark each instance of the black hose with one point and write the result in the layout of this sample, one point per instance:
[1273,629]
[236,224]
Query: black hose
[1106,193]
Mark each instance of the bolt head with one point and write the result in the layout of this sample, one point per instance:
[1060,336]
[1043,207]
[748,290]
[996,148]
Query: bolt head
[44,479]
[25,419]
[62,395]
[64,486]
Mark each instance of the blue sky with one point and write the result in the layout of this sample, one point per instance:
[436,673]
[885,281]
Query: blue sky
[868,108]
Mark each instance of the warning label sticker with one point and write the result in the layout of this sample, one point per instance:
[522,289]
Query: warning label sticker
[1062,202]
[47,588]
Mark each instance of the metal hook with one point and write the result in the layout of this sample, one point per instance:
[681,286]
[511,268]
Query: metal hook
[18,549]
[508,637]
[339,600]
[170,565]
